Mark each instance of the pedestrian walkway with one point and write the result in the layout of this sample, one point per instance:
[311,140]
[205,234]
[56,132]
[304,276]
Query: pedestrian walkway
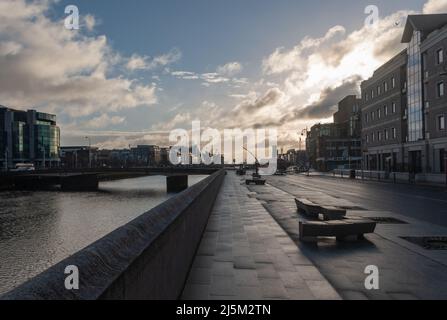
[245,254]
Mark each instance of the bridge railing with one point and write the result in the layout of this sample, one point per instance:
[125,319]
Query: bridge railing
[148,258]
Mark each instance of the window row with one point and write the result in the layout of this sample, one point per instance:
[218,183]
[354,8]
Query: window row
[387,134]
[382,88]
[385,111]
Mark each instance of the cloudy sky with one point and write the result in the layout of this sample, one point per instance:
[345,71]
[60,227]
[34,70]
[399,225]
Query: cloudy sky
[137,69]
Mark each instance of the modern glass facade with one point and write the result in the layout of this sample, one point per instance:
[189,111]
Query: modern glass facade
[414,95]
[20,140]
[28,137]
[47,139]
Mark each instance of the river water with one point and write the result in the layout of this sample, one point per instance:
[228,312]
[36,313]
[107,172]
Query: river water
[39,229]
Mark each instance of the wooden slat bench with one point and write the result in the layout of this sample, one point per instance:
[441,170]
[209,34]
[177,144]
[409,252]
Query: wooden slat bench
[341,229]
[313,210]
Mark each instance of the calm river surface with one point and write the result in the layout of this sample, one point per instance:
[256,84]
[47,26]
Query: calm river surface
[39,229]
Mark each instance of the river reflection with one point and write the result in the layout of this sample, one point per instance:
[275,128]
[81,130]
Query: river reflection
[39,229]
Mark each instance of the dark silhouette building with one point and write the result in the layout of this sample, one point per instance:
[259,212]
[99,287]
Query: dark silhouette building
[337,145]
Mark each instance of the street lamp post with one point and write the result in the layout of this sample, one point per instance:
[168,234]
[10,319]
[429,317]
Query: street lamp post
[445,168]
[6,159]
[304,134]
[89,152]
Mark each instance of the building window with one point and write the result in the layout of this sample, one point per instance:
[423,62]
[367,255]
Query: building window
[385,86]
[379,114]
[393,82]
[366,97]
[366,118]
[393,133]
[379,136]
[373,136]
[373,116]
[386,135]
[379,90]
[385,110]
[440,56]
[440,89]
[367,138]
[441,122]
[393,107]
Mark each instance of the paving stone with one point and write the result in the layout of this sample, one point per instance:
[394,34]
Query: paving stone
[273,289]
[244,262]
[353,295]
[246,278]
[200,276]
[266,271]
[196,292]
[300,293]
[322,290]
[222,269]
[309,273]
[222,286]
[248,293]
[292,280]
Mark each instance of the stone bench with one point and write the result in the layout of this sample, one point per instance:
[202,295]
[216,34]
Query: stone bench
[313,210]
[341,229]
[255,181]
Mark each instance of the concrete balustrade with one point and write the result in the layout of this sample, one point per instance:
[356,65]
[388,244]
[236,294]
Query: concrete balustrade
[148,258]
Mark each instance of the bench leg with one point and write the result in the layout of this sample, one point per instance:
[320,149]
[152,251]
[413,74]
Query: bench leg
[309,239]
[357,237]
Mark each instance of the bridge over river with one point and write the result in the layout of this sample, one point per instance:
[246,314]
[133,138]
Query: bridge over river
[88,179]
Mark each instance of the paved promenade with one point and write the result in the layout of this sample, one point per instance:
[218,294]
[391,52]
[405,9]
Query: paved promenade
[245,254]
[251,250]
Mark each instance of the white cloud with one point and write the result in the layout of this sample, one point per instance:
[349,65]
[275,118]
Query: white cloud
[315,65]
[317,72]
[282,60]
[230,69]
[48,67]
[104,121]
[435,6]
[90,22]
[178,119]
[137,62]
[10,48]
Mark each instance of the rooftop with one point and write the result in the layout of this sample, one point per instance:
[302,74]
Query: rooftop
[423,22]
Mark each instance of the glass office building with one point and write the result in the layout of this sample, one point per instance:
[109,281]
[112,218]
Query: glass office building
[28,137]
[47,137]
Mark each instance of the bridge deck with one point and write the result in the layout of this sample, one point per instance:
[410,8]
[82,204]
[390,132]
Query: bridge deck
[245,254]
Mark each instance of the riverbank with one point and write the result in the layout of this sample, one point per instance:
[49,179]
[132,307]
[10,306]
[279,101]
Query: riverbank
[40,228]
